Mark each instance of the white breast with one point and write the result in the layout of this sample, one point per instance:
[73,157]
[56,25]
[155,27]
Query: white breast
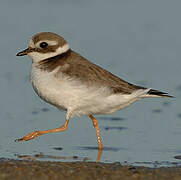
[48,87]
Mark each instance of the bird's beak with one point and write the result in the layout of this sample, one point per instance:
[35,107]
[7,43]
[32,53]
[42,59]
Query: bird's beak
[24,52]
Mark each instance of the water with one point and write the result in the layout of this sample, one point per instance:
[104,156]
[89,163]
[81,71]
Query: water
[137,40]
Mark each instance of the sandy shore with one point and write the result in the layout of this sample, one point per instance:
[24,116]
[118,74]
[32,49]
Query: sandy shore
[31,170]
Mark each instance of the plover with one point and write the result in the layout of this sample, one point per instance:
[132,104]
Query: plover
[65,79]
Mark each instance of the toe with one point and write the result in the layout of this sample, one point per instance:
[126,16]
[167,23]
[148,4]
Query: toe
[17,140]
[28,137]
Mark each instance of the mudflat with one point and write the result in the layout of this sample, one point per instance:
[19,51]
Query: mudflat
[45,170]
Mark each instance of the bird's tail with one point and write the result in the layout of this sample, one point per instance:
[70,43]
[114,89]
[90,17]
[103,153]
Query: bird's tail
[156,93]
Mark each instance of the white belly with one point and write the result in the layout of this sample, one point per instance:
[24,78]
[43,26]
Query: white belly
[71,95]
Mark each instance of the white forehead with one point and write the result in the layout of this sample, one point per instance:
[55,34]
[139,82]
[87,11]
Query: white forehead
[50,42]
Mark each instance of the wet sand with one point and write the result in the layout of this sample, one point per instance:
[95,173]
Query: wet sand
[41,170]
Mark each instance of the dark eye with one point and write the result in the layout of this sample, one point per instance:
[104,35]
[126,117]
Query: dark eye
[43,45]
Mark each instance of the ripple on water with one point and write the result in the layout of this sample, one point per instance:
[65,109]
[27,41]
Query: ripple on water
[157,110]
[166,103]
[37,111]
[179,115]
[178,88]
[114,128]
[114,149]
[58,148]
[34,112]
[156,164]
[111,118]
[45,109]
[44,156]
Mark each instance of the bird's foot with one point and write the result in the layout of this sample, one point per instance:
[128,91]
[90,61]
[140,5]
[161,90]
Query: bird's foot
[29,136]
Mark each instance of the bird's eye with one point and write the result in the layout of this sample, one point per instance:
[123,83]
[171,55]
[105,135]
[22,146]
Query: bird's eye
[43,45]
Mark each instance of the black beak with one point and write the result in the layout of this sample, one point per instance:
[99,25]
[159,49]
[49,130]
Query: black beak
[24,52]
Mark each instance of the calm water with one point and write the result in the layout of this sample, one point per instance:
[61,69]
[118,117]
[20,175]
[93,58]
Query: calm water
[139,41]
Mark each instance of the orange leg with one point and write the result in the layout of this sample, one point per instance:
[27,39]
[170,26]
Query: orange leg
[35,134]
[96,125]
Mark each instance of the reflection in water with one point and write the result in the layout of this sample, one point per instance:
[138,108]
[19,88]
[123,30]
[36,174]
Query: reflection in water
[153,164]
[52,157]
[99,155]
[99,151]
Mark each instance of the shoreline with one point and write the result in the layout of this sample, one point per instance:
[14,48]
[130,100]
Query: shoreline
[42,170]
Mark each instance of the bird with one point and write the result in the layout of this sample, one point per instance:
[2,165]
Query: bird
[67,80]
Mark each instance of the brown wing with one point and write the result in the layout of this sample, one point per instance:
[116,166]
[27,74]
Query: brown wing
[74,65]
[90,73]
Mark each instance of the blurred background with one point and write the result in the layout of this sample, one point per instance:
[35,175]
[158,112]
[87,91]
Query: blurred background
[138,40]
